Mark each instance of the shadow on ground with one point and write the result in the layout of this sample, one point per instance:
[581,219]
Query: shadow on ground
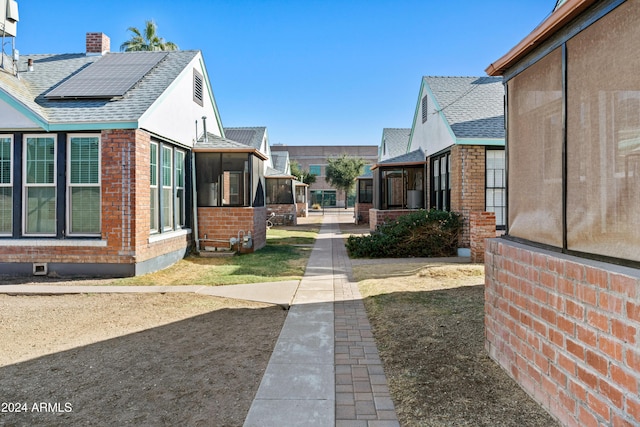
[201,371]
[439,374]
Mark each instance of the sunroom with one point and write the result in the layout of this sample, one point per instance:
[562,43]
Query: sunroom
[230,187]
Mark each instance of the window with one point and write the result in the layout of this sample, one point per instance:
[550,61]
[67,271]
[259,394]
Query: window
[441,182]
[365,191]
[279,191]
[166,200]
[425,108]
[535,151]
[6,185]
[198,88]
[315,170]
[180,189]
[402,188]
[367,170]
[223,179]
[39,185]
[495,185]
[603,137]
[153,196]
[84,209]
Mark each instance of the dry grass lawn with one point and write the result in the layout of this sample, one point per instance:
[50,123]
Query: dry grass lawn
[428,321]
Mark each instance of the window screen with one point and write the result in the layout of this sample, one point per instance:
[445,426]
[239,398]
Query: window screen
[6,186]
[40,190]
[603,136]
[535,152]
[153,196]
[84,185]
[167,188]
[495,183]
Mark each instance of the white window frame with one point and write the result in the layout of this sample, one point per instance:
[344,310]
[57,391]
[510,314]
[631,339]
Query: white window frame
[178,224]
[26,186]
[154,188]
[10,183]
[169,187]
[70,186]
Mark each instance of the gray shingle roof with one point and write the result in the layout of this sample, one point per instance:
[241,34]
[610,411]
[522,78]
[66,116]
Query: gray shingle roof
[395,142]
[473,106]
[251,136]
[216,142]
[280,160]
[274,173]
[415,156]
[51,70]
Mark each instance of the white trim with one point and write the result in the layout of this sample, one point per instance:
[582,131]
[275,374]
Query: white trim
[69,185]
[53,242]
[169,187]
[152,187]
[170,235]
[25,202]
[184,179]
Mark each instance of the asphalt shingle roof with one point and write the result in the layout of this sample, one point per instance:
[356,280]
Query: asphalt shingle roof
[217,142]
[396,141]
[415,156]
[280,160]
[473,106]
[52,69]
[251,136]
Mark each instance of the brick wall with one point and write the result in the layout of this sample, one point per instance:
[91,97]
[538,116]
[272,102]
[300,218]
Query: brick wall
[482,226]
[302,209]
[467,184]
[219,224]
[362,211]
[97,43]
[568,330]
[288,210]
[125,212]
[378,217]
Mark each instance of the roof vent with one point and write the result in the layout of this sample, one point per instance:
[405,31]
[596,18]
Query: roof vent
[198,89]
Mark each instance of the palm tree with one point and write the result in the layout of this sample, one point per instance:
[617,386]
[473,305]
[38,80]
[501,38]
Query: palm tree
[146,41]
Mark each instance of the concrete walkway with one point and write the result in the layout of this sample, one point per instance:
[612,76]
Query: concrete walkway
[325,369]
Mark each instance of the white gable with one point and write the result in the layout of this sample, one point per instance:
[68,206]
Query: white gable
[10,118]
[174,113]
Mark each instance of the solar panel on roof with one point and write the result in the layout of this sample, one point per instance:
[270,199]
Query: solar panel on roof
[110,76]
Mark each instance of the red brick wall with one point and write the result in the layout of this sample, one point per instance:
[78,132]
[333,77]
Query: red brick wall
[125,211]
[283,209]
[482,226]
[567,329]
[97,43]
[378,217]
[362,211]
[223,223]
[467,184]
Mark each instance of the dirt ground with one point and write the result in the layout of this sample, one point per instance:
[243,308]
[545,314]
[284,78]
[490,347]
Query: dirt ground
[134,359]
[428,322]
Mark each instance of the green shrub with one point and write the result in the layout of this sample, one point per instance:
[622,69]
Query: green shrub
[429,233]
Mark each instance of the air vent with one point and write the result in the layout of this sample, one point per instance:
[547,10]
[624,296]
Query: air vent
[425,109]
[198,89]
[39,268]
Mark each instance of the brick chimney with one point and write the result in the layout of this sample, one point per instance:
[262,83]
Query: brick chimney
[98,44]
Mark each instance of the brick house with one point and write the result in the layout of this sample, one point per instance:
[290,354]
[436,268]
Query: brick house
[458,128]
[96,178]
[563,285]
[279,185]
[394,143]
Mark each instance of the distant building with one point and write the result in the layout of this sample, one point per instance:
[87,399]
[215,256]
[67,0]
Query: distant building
[314,159]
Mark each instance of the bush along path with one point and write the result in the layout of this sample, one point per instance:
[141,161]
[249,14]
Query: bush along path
[431,233]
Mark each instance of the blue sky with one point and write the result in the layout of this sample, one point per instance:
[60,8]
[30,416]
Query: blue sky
[314,72]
